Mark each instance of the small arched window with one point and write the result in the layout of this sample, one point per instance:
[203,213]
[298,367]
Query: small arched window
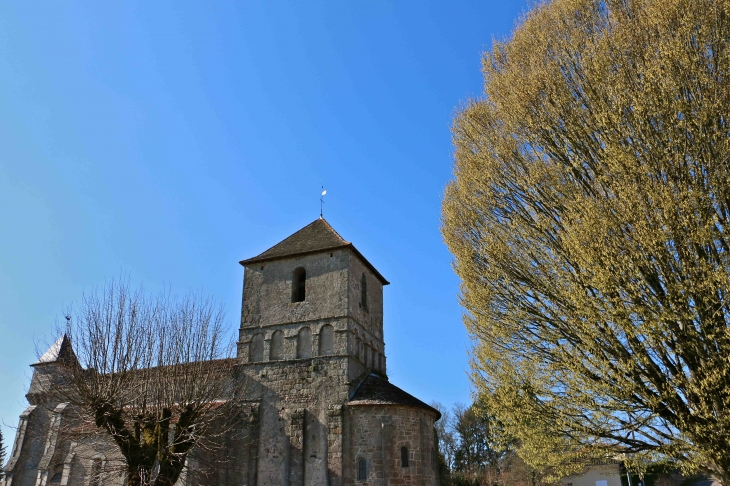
[256,349]
[304,343]
[362,470]
[326,339]
[277,346]
[364,292]
[298,287]
[404,456]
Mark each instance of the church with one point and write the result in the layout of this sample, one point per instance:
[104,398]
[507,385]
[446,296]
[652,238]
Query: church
[322,411]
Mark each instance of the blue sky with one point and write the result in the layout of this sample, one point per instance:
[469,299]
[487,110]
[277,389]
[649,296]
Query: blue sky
[169,140]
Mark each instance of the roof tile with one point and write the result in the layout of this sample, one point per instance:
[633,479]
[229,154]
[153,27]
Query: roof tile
[316,236]
[374,390]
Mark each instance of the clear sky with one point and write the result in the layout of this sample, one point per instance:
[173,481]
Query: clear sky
[169,140]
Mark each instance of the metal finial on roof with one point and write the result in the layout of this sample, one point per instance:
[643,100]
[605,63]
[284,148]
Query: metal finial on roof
[321,202]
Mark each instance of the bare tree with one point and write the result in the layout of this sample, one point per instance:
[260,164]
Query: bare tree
[2,454]
[447,442]
[154,374]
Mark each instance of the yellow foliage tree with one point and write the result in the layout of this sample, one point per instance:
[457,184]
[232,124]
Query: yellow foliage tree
[587,217]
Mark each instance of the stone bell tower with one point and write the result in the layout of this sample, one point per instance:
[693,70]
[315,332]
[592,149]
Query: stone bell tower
[313,294]
[311,329]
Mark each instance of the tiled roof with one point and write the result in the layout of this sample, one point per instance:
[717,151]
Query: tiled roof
[374,390]
[61,350]
[318,236]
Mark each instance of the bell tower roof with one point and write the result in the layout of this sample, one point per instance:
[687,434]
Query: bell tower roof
[316,237]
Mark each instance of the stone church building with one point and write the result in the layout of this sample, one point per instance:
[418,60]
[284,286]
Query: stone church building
[322,411]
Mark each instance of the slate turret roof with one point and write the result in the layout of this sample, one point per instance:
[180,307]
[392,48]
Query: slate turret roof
[375,390]
[316,237]
[61,350]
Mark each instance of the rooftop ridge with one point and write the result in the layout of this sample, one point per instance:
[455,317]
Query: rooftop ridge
[318,236]
[376,390]
[288,246]
[61,350]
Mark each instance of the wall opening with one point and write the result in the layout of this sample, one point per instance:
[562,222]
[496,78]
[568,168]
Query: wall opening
[95,473]
[304,343]
[404,456]
[362,470]
[277,346]
[364,292]
[298,287]
[326,340]
[256,349]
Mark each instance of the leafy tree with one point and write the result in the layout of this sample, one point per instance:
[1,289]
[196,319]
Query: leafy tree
[150,374]
[481,444]
[587,217]
[472,445]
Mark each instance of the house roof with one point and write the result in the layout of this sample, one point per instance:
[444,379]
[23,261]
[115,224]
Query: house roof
[318,236]
[61,350]
[375,390]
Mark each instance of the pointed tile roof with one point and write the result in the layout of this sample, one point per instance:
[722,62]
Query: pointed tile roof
[318,236]
[61,350]
[375,390]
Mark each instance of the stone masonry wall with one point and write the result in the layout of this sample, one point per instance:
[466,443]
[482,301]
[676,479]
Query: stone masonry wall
[300,419]
[366,325]
[370,316]
[377,433]
[267,289]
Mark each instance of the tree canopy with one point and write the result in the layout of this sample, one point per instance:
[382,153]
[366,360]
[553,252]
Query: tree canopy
[587,217]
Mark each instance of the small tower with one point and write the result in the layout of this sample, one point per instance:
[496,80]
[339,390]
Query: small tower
[313,294]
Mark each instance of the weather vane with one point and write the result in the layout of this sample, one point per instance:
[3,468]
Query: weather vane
[321,201]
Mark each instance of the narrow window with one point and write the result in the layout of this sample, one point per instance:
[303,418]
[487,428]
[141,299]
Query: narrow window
[277,346]
[298,286]
[95,473]
[304,343]
[362,470]
[256,349]
[326,339]
[364,292]
[404,456]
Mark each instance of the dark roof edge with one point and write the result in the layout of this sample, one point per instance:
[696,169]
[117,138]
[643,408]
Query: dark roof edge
[321,250]
[368,264]
[359,384]
[425,406]
[363,402]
